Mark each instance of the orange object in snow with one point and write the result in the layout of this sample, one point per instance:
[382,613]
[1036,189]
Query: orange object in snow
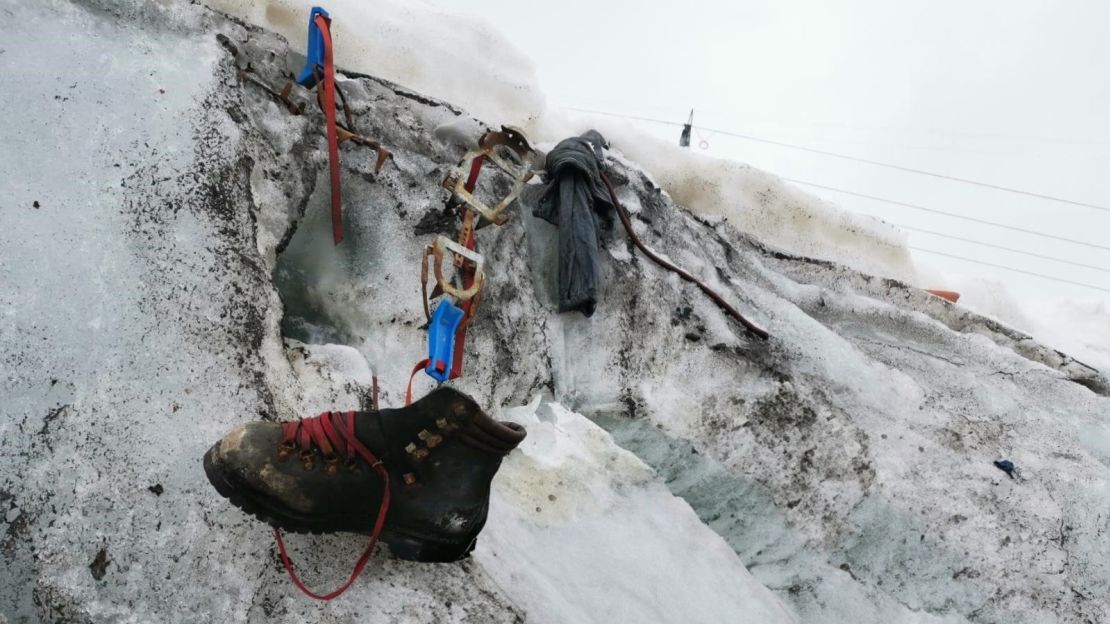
[947,295]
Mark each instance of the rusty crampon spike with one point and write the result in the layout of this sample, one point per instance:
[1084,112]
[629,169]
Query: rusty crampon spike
[383,154]
[282,96]
[345,133]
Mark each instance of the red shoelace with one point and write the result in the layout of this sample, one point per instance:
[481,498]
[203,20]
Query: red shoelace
[333,433]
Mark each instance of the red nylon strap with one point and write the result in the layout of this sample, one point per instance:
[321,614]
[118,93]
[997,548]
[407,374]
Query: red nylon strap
[725,306]
[460,337]
[316,433]
[416,369]
[346,431]
[467,275]
[332,436]
[333,135]
[475,168]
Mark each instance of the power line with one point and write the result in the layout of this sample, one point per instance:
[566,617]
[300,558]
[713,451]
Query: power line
[1003,247]
[932,210]
[950,214]
[748,137]
[872,128]
[1007,268]
[597,112]
[999,266]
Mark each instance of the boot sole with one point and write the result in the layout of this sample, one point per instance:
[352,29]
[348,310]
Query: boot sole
[402,545]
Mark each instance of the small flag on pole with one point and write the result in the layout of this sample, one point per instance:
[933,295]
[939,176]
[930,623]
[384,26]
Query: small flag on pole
[684,140]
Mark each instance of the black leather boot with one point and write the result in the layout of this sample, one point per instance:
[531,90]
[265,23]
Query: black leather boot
[329,473]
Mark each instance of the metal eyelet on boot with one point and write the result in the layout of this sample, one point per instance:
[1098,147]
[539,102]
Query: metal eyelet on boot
[429,438]
[415,452]
[285,449]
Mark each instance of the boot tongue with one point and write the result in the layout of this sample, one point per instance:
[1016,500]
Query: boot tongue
[492,436]
[443,412]
[371,432]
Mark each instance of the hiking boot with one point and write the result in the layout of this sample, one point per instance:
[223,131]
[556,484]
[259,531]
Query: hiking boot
[330,473]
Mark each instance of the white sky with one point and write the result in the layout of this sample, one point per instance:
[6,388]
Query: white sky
[1010,93]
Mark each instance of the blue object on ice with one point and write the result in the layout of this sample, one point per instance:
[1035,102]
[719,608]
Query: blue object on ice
[315,49]
[441,339]
[1006,466]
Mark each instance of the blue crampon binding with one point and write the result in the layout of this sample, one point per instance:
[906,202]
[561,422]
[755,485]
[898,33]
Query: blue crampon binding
[441,339]
[315,49]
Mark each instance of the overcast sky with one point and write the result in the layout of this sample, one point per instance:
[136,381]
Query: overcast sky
[1009,93]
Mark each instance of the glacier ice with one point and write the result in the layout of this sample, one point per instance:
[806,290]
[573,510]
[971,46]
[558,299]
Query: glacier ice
[841,473]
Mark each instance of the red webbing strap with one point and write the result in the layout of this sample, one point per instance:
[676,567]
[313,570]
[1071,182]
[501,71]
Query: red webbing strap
[475,169]
[460,337]
[347,432]
[467,275]
[421,365]
[333,135]
[626,221]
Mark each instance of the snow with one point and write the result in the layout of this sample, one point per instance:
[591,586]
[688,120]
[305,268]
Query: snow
[872,397]
[148,327]
[141,324]
[1079,328]
[761,204]
[422,46]
[841,472]
[572,496]
[413,43]
[429,47]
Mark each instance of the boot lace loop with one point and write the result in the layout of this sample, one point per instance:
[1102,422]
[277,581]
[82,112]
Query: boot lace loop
[334,434]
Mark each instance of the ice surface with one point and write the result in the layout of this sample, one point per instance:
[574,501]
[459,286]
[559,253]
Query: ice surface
[863,435]
[423,46]
[847,463]
[582,532]
[141,324]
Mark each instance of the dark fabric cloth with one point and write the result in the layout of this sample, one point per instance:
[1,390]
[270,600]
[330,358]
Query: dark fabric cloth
[1006,466]
[573,198]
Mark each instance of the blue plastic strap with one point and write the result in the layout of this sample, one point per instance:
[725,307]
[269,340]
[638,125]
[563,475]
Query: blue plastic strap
[441,339]
[315,49]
